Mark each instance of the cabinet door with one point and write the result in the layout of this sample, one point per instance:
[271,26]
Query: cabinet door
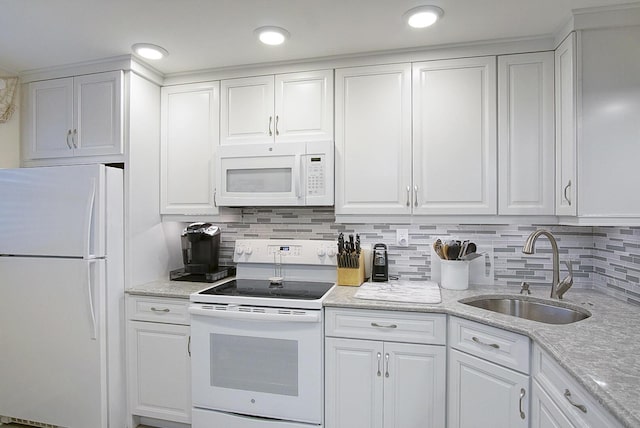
[544,412]
[483,394]
[159,371]
[414,385]
[247,110]
[454,136]
[50,119]
[189,137]
[97,126]
[304,106]
[353,383]
[566,104]
[526,145]
[373,140]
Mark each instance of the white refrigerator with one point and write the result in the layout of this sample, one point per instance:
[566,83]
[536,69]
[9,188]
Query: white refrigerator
[62,296]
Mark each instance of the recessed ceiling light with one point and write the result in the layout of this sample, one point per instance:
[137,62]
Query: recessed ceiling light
[149,51]
[423,16]
[272,35]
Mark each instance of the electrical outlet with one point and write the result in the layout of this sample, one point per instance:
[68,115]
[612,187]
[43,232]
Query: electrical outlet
[402,237]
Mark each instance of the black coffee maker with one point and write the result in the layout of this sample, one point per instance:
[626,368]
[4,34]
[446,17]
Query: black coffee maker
[200,254]
[200,248]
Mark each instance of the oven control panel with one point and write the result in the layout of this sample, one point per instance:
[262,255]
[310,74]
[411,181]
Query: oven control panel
[307,252]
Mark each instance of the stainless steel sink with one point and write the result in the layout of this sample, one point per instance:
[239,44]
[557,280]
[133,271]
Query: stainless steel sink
[545,312]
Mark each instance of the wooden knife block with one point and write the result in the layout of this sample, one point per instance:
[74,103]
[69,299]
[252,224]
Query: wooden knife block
[352,276]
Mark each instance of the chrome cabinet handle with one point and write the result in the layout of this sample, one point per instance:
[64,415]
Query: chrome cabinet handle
[189,346]
[74,139]
[567,395]
[386,372]
[522,394]
[375,324]
[154,309]
[379,358]
[415,196]
[270,120]
[68,143]
[215,203]
[480,342]
[277,132]
[565,192]
[408,196]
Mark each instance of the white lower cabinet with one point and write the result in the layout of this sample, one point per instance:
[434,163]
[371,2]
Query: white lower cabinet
[383,383]
[159,360]
[484,394]
[559,401]
[489,381]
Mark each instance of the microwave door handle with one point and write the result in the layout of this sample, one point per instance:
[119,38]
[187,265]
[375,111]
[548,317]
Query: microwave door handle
[299,181]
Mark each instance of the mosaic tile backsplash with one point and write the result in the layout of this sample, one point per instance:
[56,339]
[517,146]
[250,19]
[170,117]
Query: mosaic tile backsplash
[606,258]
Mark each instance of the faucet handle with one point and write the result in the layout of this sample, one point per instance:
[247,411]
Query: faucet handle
[566,283]
[524,288]
[570,269]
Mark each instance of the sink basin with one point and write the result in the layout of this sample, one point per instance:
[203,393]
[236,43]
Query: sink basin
[546,312]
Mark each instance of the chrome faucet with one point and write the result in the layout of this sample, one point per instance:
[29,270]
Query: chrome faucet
[558,288]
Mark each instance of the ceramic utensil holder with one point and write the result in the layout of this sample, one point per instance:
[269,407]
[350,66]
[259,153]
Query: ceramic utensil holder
[454,274]
[352,276]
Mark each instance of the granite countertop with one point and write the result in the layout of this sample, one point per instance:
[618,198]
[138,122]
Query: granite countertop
[600,352]
[173,289]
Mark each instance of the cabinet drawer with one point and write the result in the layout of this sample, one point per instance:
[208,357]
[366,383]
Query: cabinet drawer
[576,403]
[493,344]
[158,309]
[386,325]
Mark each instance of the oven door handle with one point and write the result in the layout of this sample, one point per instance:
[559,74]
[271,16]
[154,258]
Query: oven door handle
[255,316]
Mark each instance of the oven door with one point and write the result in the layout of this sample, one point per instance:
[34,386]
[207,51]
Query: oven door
[260,175]
[257,361]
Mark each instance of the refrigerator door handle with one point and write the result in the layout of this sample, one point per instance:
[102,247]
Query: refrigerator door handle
[92,313]
[88,226]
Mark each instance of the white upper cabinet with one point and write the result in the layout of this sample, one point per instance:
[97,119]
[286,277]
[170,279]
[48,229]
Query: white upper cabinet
[189,137]
[281,108]
[609,130]
[75,116]
[566,138]
[304,106]
[526,145]
[454,136]
[373,140]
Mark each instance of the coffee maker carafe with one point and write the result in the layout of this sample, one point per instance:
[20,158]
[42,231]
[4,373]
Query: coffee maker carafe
[200,248]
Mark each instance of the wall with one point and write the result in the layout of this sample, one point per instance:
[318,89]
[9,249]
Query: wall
[616,259]
[10,137]
[503,244]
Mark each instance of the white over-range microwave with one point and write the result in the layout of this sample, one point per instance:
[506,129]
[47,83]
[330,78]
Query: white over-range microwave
[280,174]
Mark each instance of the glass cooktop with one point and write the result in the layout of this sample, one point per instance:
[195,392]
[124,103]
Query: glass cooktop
[304,290]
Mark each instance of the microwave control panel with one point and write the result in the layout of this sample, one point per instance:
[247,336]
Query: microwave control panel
[316,175]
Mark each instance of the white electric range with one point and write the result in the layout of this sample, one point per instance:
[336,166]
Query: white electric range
[257,340]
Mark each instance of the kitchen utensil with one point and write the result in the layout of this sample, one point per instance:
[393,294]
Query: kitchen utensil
[471,248]
[471,256]
[453,250]
[437,247]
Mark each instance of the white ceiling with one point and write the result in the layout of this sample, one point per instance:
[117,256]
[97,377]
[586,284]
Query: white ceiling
[206,34]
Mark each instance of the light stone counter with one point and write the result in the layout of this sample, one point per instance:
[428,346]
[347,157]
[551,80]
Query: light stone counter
[602,352]
[173,289]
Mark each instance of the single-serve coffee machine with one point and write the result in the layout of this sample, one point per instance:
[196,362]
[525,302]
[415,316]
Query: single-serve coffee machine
[200,254]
